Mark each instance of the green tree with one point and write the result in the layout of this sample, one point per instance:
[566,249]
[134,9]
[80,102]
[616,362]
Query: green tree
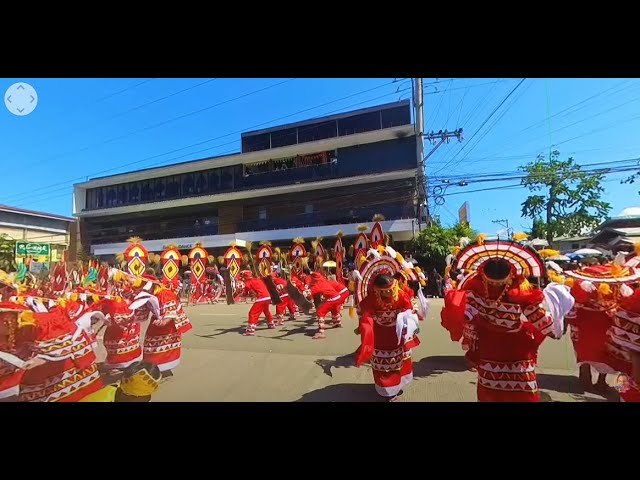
[538,229]
[7,253]
[435,242]
[570,197]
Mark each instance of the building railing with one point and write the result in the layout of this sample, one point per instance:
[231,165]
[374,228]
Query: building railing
[356,215]
[120,196]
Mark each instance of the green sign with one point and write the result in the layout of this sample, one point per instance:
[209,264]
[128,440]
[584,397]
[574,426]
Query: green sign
[27,249]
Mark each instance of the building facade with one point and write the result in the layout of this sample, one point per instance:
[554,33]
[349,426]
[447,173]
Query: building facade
[41,237]
[306,179]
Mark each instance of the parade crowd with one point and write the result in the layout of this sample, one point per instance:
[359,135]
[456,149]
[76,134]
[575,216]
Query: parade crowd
[503,303]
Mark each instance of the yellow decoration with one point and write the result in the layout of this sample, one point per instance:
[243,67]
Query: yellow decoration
[95,298]
[554,277]
[519,236]
[447,271]
[142,384]
[618,270]
[137,282]
[456,251]
[352,312]
[106,394]
[548,252]
[636,248]
[604,289]
[26,319]
[481,238]
[569,282]
[525,286]
[74,297]
[381,250]
[399,257]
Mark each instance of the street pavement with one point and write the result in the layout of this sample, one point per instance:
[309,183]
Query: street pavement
[287,365]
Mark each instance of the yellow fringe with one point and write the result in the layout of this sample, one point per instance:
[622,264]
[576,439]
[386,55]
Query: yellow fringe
[481,238]
[26,319]
[604,289]
[525,286]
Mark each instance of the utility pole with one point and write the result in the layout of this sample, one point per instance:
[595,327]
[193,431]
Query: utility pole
[436,140]
[503,223]
[421,180]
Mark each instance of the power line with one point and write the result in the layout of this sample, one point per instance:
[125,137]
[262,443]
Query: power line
[121,114]
[129,164]
[484,123]
[170,120]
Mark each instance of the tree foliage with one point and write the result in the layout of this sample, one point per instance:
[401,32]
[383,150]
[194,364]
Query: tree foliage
[538,229]
[569,199]
[435,242]
[7,253]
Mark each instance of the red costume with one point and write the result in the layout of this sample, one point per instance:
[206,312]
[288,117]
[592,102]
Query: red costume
[287,301]
[332,301]
[163,339]
[260,306]
[623,338]
[596,291]
[502,320]
[69,372]
[387,342]
[122,336]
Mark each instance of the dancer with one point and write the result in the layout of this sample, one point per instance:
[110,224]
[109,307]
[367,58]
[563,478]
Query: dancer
[388,323]
[597,290]
[260,306]
[287,301]
[318,285]
[502,319]
[139,381]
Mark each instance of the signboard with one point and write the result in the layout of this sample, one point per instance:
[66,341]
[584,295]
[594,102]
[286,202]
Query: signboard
[27,249]
[463,213]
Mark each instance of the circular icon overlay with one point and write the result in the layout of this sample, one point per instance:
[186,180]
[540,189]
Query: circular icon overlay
[21,99]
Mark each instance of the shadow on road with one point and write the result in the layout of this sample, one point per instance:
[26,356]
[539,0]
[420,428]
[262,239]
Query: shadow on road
[438,365]
[224,331]
[343,361]
[345,392]
[571,385]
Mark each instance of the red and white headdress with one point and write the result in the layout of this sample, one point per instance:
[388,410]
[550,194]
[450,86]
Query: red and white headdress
[264,255]
[233,261]
[198,260]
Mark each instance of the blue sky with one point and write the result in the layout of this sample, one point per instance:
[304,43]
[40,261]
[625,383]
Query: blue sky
[91,127]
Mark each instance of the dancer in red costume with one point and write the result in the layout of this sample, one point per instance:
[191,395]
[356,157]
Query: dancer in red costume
[169,322]
[623,337]
[503,319]
[287,302]
[318,285]
[623,345]
[387,328]
[60,364]
[122,336]
[336,310]
[597,291]
[260,306]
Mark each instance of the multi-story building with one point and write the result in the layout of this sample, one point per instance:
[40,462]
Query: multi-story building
[306,179]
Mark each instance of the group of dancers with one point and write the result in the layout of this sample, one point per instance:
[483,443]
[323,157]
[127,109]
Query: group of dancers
[500,312]
[48,337]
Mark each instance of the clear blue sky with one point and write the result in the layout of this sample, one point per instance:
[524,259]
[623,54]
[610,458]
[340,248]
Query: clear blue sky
[91,127]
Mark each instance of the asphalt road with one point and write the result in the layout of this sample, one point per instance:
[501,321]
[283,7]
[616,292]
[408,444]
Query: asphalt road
[287,365]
